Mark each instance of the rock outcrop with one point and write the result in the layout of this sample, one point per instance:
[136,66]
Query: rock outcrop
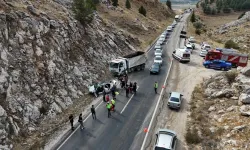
[223,111]
[47,63]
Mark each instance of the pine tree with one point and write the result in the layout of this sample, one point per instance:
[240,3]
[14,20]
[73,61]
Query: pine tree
[142,11]
[115,3]
[128,5]
[169,4]
[83,10]
[192,19]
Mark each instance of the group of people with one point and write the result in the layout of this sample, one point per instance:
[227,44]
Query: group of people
[80,120]
[130,88]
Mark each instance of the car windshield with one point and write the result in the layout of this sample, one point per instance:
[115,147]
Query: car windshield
[161,148]
[174,99]
[157,58]
[114,65]
[155,66]
[158,51]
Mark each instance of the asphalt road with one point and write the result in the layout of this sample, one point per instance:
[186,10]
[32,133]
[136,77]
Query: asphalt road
[124,130]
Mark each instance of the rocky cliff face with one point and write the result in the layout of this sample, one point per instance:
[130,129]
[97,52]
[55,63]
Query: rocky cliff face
[47,63]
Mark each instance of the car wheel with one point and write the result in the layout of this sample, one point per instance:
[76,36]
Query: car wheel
[223,69]
[207,66]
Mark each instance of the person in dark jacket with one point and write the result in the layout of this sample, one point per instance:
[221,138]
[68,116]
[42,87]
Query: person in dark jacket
[135,87]
[104,95]
[130,87]
[71,120]
[127,91]
[93,112]
[80,120]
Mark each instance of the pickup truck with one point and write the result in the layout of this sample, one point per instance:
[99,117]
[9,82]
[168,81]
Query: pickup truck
[128,63]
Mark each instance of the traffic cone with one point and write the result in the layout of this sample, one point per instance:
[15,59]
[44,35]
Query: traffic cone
[145,130]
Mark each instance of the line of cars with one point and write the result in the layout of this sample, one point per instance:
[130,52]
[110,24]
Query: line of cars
[158,49]
[166,139]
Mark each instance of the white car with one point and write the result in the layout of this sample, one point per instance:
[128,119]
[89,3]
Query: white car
[175,100]
[157,46]
[165,140]
[158,52]
[158,59]
[169,29]
[206,47]
[203,52]
[161,40]
[191,39]
[189,48]
[163,36]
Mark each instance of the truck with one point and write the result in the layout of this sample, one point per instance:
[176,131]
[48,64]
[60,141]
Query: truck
[228,55]
[129,63]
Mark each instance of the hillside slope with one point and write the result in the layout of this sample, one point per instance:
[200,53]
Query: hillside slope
[48,59]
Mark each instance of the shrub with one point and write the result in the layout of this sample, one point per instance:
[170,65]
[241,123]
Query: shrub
[197,25]
[192,137]
[213,11]
[231,44]
[192,19]
[231,76]
[128,5]
[83,10]
[226,10]
[198,31]
[241,15]
[142,11]
[115,3]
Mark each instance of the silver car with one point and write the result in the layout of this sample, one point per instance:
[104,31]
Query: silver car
[175,100]
[165,140]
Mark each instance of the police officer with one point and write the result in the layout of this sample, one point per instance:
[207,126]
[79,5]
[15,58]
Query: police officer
[113,103]
[108,105]
[155,87]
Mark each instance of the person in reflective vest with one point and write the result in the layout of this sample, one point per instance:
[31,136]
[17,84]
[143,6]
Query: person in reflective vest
[113,103]
[155,87]
[108,106]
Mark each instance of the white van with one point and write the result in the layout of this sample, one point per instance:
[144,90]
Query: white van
[182,55]
[177,18]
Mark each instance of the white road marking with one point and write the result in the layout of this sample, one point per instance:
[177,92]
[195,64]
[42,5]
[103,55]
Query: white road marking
[76,128]
[128,102]
[158,102]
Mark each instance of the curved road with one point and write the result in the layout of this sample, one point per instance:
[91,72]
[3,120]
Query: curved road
[124,130]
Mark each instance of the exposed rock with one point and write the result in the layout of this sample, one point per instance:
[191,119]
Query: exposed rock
[240,128]
[246,71]
[247,114]
[244,98]
[231,108]
[32,10]
[211,108]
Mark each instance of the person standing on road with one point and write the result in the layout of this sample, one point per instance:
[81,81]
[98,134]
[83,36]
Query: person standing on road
[71,120]
[104,94]
[113,103]
[107,97]
[81,121]
[130,87]
[127,91]
[155,87]
[108,106]
[93,112]
[135,87]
